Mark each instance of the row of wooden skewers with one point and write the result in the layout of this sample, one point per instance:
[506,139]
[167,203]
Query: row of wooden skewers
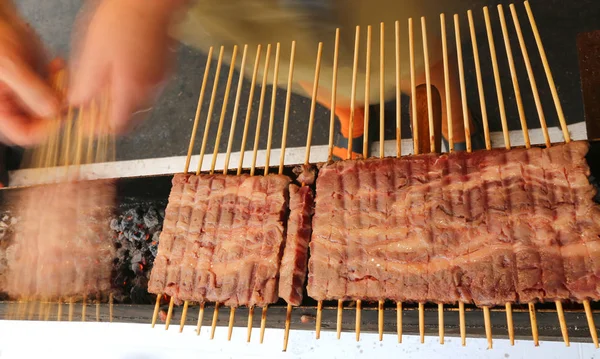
[27,309]
[415,131]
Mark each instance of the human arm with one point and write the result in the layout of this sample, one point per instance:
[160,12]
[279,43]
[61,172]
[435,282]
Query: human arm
[26,95]
[124,51]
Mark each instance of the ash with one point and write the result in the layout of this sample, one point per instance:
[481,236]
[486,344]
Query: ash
[135,232]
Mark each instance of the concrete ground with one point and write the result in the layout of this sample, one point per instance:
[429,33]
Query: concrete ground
[166,131]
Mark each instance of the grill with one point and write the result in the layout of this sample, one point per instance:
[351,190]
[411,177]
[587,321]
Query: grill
[528,321]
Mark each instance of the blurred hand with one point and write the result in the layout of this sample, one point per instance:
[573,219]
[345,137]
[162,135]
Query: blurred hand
[26,95]
[126,53]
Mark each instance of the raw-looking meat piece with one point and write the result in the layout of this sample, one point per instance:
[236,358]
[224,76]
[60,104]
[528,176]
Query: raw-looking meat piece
[306,174]
[61,246]
[488,227]
[222,239]
[292,273]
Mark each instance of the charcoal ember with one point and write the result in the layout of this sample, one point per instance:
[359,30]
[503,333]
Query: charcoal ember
[133,216]
[135,234]
[139,291]
[151,219]
[7,247]
[115,225]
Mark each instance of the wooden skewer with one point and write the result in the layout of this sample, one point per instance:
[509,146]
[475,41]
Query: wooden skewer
[169,313]
[336,51]
[156,309]
[83,309]
[231,321]
[590,320]
[92,130]
[358,318]
[441,322]
[41,310]
[532,82]
[48,309]
[399,320]
[60,309]
[98,310]
[288,322]
[380,319]
[461,322]
[413,87]
[422,322]
[319,319]
[71,310]
[381,90]
[261,105]
[288,102]
[211,107]
[509,322]
[263,323]
[447,82]
[20,310]
[353,91]
[563,323]
[223,109]
[31,310]
[333,95]
[557,104]
[367,93]
[272,113]
[110,307]
[488,326]
[398,91]
[47,312]
[432,142]
[463,87]
[183,316]
[494,57]
[249,109]
[313,104]
[250,319]
[236,108]
[79,136]
[484,116]
[214,321]
[534,326]
[200,318]
[513,74]
[339,318]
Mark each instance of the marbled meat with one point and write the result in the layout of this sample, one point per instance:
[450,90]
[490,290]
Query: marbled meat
[222,239]
[489,227]
[295,255]
[61,246]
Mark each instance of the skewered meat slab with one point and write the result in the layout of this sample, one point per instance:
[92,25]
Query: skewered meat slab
[488,227]
[222,239]
[295,255]
[61,246]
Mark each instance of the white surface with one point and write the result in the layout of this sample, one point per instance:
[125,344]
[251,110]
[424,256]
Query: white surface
[170,165]
[103,340]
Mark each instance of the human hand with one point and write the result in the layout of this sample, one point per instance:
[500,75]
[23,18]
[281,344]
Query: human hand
[125,53]
[27,98]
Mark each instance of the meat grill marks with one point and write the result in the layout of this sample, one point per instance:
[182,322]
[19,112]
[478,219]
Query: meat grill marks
[222,239]
[489,227]
[295,256]
[61,246]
